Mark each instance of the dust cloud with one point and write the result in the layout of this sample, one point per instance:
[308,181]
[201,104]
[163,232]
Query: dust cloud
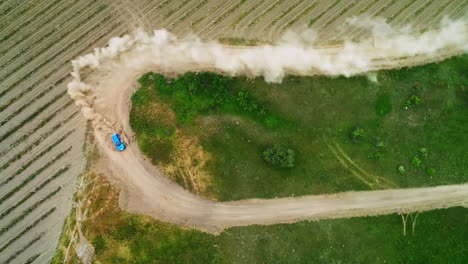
[294,54]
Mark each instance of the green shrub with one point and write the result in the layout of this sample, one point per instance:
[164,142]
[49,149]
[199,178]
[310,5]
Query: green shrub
[375,155]
[416,162]
[99,244]
[279,156]
[245,102]
[356,134]
[412,101]
[423,153]
[147,79]
[379,143]
[430,171]
[401,169]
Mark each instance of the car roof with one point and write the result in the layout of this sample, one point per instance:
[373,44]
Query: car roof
[116,138]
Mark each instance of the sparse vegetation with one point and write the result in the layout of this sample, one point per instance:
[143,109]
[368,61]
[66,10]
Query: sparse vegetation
[28,210]
[28,148]
[227,12]
[24,24]
[264,13]
[303,13]
[62,34]
[244,13]
[30,194]
[35,68]
[283,13]
[339,15]
[385,7]
[187,14]
[403,8]
[29,227]
[37,156]
[179,5]
[315,19]
[21,250]
[30,117]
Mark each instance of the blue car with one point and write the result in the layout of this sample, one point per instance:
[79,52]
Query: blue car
[119,145]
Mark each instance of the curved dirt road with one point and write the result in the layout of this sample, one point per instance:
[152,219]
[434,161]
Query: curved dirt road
[144,189]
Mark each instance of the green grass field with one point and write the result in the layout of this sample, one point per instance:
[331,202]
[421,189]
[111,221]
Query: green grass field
[438,237]
[406,130]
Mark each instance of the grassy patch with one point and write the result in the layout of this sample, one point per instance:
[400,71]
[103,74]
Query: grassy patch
[357,240]
[236,119]
[383,105]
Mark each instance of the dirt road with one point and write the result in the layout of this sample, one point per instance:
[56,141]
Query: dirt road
[144,189]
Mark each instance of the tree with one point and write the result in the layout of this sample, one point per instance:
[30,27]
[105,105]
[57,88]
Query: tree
[279,156]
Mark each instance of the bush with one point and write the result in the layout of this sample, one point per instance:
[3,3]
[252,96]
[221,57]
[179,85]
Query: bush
[279,156]
[423,153]
[430,171]
[99,244]
[416,162]
[412,101]
[245,102]
[375,155]
[147,79]
[401,169]
[356,134]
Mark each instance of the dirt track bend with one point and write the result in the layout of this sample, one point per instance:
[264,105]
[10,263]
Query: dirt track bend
[144,189]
